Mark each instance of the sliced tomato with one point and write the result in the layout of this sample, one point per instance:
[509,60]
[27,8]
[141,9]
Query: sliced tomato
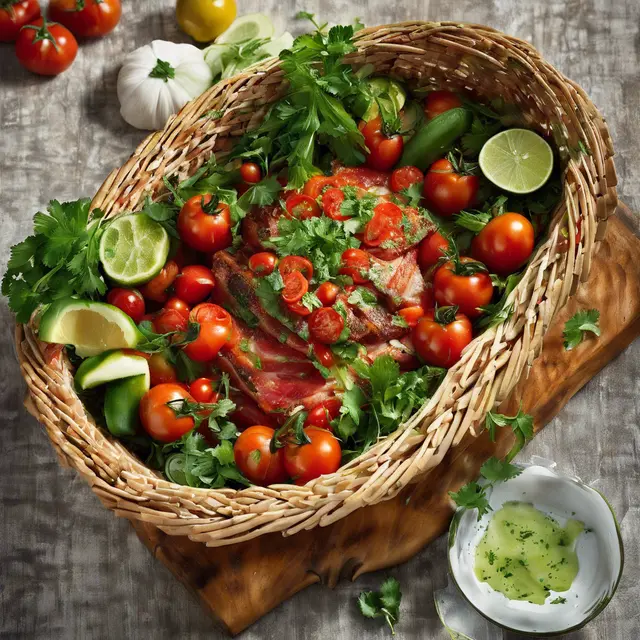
[290,264]
[355,264]
[332,199]
[317,184]
[295,286]
[325,325]
[302,207]
[299,309]
[327,293]
[412,314]
[385,224]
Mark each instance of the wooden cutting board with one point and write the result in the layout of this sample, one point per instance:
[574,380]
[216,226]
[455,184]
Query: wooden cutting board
[240,583]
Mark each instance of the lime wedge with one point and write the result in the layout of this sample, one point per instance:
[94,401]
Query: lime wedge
[109,366]
[121,404]
[133,249]
[517,160]
[253,25]
[91,327]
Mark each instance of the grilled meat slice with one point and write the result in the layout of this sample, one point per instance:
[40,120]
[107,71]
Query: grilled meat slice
[400,280]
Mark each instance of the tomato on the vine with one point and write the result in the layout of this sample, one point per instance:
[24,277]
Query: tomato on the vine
[325,325]
[168,320]
[46,48]
[432,249]
[202,390]
[356,264]
[86,18]
[447,192]
[289,264]
[438,102]
[254,458]
[405,177]
[250,172]
[128,300]
[332,200]
[322,414]
[263,263]
[308,461]
[204,223]
[158,419]
[505,243]
[14,14]
[439,337]
[194,284]
[465,284]
[295,286]
[384,151]
[327,293]
[303,207]
[156,288]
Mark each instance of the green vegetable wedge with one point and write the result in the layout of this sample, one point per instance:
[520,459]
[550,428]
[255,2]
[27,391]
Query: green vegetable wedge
[109,366]
[121,404]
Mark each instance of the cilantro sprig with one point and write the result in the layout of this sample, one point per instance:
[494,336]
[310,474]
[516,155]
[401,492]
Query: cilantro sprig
[577,327]
[384,603]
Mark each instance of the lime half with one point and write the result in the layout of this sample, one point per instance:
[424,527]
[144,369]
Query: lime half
[109,366]
[91,327]
[517,160]
[253,25]
[133,249]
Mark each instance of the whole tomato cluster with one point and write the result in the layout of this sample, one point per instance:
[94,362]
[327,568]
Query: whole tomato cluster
[49,47]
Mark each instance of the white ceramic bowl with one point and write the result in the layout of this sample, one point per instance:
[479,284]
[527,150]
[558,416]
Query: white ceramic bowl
[599,549]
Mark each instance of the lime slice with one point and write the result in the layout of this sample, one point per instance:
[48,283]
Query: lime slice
[121,404]
[133,249]
[109,366]
[253,25]
[91,327]
[517,160]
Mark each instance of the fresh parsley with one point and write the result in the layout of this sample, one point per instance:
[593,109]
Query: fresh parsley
[576,328]
[384,603]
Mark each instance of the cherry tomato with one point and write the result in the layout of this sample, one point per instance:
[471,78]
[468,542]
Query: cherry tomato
[211,338]
[505,244]
[14,14]
[86,18]
[384,151]
[205,224]
[178,305]
[324,355]
[295,286]
[332,199]
[156,289]
[202,390]
[299,309]
[308,461]
[254,458]
[158,419]
[432,249]
[168,320]
[441,343]
[46,48]
[385,224]
[355,264]
[404,177]
[209,312]
[466,291]
[322,414]
[438,102]
[263,263]
[250,172]
[185,255]
[289,264]
[302,207]
[412,314]
[161,370]
[325,325]
[194,284]
[447,192]
[128,300]
[327,293]
[317,184]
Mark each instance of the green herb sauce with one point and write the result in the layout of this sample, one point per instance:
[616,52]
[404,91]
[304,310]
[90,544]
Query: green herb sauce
[524,553]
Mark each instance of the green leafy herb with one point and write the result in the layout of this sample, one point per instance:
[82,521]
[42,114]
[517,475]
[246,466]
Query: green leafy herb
[521,424]
[559,600]
[496,470]
[413,194]
[500,311]
[362,297]
[472,496]
[311,301]
[382,604]
[576,328]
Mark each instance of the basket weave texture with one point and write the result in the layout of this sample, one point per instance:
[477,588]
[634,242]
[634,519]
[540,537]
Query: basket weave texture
[426,55]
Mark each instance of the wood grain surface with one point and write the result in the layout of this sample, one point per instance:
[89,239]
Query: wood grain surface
[68,568]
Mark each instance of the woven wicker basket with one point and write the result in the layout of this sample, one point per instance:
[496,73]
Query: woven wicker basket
[461,57]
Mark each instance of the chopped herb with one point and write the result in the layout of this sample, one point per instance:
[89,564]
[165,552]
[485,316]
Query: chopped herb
[382,604]
[576,328]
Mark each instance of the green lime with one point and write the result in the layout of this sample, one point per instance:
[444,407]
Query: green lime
[174,468]
[91,327]
[253,25]
[133,249]
[109,366]
[121,404]
[517,160]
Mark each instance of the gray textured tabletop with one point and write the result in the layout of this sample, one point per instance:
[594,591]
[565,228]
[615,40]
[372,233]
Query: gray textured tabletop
[70,569]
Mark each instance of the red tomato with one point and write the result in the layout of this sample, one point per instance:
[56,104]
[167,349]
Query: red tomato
[128,300]
[158,419]
[325,325]
[308,461]
[385,224]
[194,284]
[302,207]
[46,48]
[185,255]
[438,102]
[411,315]
[161,370]
[299,309]
[295,286]
[327,293]
[202,390]
[289,264]
[178,305]
[209,312]
[168,320]
[205,224]
[432,249]
[505,244]
[250,172]
[211,338]
[14,14]
[263,263]
[324,355]
[447,192]
[384,151]
[156,289]
[317,184]
[468,291]
[355,264]
[441,343]
[332,199]
[322,414]
[404,177]
[86,18]
[255,460]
